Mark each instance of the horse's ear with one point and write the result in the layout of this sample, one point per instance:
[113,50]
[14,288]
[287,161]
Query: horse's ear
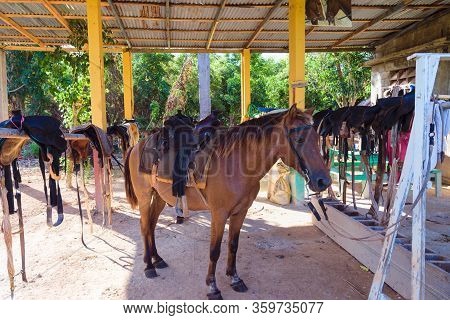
[309,111]
[292,112]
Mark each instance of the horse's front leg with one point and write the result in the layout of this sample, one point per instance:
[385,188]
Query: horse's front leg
[218,221]
[236,222]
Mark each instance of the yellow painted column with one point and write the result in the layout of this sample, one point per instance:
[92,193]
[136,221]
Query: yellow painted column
[96,66]
[128,95]
[245,84]
[297,52]
[98,101]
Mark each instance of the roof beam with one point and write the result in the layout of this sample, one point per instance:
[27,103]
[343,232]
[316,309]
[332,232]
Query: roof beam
[215,23]
[168,22]
[119,21]
[410,6]
[367,25]
[413,26]
[19,28]
[56,14]
[269,15]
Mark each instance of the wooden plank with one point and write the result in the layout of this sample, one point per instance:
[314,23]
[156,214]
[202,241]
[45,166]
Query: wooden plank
[215,23]
[167,22]
[381,17]
[119,21]
[16,134]
[56,14]
[297,52]
[269,16]
[19,28]
[3,87]
[437,43]
[368,254]
[426,67]
[413,26]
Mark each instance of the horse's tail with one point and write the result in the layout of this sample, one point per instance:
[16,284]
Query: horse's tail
[129,190]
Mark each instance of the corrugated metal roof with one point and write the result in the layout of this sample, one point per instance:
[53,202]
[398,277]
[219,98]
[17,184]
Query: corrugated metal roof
[191,22]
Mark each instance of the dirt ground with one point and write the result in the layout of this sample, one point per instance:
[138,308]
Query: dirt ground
[281,255]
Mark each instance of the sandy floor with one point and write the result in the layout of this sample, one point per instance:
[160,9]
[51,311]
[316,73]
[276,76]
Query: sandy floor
[281,255]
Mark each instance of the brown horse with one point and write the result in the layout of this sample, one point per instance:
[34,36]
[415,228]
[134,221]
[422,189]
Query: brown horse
[242,156]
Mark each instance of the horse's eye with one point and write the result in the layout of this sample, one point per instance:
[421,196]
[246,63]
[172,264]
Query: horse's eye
[300,140]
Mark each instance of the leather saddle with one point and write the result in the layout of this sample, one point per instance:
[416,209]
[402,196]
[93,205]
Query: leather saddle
[179,146]
[46,133]
[98,138]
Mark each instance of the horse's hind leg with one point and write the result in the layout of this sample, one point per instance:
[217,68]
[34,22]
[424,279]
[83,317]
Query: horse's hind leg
[236,222]
[150,211]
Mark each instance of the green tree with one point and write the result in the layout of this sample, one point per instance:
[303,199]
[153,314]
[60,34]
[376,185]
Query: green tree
[337,79]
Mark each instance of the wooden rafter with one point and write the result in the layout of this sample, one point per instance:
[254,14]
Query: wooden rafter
[309,31]
[56,14]
[269,15]
[215,23]
[19,28]
[208,6]
[119,21]
[367,25]
[168,22]
[414,26]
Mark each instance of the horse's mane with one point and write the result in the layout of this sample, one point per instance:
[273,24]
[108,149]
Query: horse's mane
[249,132]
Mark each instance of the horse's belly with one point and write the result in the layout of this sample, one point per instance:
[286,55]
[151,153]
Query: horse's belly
[195,202]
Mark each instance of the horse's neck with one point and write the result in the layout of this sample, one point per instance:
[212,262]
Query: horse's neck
[262,156]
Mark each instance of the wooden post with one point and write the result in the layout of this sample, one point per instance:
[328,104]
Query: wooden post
[204,81]
[96,63]
[3,87]
[414,169]
[297,52]
[245,84]
[426,70]
[127,75]
[96,72]
[297,76]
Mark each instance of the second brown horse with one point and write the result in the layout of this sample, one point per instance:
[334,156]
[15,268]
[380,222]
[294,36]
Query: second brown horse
[242,156]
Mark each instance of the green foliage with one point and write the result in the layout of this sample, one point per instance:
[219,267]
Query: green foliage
[58,83]
[336,79]
[30,150]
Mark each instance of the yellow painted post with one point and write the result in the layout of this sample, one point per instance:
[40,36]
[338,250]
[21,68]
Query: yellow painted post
[128,95]
[296,52]
[98,101]
[245,84]
[297,76]
[96,66]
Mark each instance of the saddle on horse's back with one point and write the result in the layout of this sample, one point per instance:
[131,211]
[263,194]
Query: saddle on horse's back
[179,146]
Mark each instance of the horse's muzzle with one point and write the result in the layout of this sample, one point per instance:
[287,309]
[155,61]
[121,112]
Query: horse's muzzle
[320,182]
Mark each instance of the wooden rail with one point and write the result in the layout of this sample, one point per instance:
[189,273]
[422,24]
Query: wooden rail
[16,134]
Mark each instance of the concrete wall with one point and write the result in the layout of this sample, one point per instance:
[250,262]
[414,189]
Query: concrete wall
[396,51]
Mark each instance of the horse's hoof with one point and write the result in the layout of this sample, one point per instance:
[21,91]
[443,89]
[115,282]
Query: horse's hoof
[239,286]
[215,296]
[150,273]
[161,264]
[180,220]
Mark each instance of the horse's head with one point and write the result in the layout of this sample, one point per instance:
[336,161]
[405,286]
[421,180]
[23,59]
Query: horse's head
[300,149]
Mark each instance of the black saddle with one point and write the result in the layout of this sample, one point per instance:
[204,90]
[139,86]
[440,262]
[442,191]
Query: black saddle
[46,133]
[181,136]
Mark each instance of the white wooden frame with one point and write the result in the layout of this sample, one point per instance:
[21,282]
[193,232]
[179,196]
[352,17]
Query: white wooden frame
[414,170]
